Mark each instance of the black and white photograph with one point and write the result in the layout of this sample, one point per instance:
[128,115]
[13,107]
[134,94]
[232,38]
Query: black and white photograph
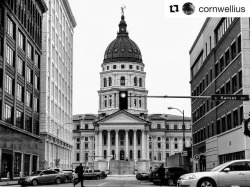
[124,93]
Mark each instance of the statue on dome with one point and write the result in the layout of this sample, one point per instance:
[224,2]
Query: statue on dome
[122,9]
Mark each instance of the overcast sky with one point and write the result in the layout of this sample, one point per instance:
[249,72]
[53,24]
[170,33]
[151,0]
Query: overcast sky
[164,44]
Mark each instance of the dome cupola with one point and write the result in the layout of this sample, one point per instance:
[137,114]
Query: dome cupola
[122,48]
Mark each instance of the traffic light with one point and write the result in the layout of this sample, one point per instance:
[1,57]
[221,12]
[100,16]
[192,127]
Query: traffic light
[247,127]
[123,100]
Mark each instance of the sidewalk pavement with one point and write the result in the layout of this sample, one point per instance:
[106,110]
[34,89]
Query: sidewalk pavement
[9,183]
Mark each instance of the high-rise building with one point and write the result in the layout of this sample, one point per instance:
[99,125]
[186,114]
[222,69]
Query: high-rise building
[20,74]
[57,85]
[123,137]
[219,64]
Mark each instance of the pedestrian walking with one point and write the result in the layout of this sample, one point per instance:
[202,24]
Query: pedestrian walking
[79,171]
[161,173]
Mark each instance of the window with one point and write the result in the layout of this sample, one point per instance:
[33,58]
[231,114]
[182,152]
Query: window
[158,126]
[113,140]
[222,64]
[30,51]
[36,104]
[239,43]
[228,87]
[235,118]
[77,156]
[114,66]
[218,126]
[139,154]
[229,121]
[223,124]
[130,66]
[86,145]
[140,82]
[21,40]
[175,127]
[167,126]
[159,156]
[122,66]
[19,92]
[77,146]
[159,145]
[105,154]
[135,81]
[105,82]
[122,140]
[36,127]
[28,123]
[8,116]
[233,50]
[240,79]
[234,84]
[122,81]
[86,139]
[110,81]
[217,69]
[167,145]
[29,75]
[9,55]
[227,57]
[87,127]
[37,60]
[28,99]
[211,75]
[137,67]
[36,82]
[19,119]
[138,139]
[10,27]
[8,84]
[20,65]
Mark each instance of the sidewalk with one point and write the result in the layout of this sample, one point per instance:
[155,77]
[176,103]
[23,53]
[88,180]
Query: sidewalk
[6,182]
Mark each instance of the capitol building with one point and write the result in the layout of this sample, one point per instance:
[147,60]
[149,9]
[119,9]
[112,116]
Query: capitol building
[122,136]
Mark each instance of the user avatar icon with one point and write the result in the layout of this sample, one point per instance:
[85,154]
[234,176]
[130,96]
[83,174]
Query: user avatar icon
[188,8]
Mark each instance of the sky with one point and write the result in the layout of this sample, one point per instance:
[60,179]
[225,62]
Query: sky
[164,43]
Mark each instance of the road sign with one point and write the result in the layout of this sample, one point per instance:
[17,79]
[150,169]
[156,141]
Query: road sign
[184,153]
[196,157]
[218,97]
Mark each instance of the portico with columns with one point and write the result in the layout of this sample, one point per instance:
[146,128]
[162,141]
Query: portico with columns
[122,136]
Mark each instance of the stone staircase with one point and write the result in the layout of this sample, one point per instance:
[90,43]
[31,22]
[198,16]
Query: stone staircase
[122,167]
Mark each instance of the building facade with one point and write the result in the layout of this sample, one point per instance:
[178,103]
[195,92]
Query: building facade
[123,137]
[20,72]
[57,85]
[219,64]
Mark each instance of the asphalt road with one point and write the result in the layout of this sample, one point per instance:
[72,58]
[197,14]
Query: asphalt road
[123,181]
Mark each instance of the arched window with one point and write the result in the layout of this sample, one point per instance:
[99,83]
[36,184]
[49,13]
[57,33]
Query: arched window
[130,154]
[139,154]
[135,81]
[122,81]
[110,81]
[140,82]
[105,82]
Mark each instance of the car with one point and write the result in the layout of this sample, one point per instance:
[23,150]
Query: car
[151,175]
[68,173]
[232,173]
[172,174]
[43,176]
[142,176]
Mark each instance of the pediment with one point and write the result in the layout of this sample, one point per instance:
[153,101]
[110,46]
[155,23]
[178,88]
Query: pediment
[122,118]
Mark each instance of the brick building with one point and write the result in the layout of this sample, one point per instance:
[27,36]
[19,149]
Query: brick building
[219,64]
[20,63]
[57,85]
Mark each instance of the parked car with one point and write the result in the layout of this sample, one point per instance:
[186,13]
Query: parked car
[233,173]
[68,173]
[43,176]
[142,176]
[172,174]
[89,174]
[151,175]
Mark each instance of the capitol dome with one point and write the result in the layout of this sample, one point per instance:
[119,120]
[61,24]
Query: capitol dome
[122,48]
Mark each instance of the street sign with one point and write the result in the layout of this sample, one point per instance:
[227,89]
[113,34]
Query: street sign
[196,157]
[184,153]
[218,97]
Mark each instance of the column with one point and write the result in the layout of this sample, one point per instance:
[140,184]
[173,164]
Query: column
[100,145]
[96,146]
[126,143]
[143,144]
[147,145]
[108,151]
[163,145]
[116,144]
[135,157]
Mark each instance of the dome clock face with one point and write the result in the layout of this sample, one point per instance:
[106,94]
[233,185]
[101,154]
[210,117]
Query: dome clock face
[123,95]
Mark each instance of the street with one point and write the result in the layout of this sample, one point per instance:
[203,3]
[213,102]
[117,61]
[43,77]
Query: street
[110,181]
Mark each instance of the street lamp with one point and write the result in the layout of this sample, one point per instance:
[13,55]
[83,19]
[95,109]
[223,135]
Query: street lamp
[57,160]
[183,127]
